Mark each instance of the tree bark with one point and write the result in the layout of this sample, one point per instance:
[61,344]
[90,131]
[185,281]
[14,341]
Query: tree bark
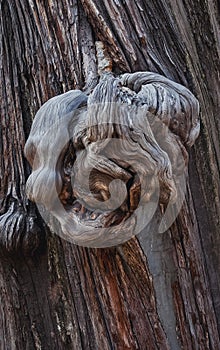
[157,291]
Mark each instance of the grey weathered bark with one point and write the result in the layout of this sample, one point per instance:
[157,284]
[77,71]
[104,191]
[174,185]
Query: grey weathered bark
[162,291]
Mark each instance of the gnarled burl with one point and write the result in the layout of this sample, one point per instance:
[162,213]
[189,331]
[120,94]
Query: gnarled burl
[103,163]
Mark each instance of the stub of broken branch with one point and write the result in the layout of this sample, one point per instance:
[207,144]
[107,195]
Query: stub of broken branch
[104,61]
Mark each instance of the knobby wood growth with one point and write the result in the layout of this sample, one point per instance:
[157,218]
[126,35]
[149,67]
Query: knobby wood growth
[134,128]
[160,292]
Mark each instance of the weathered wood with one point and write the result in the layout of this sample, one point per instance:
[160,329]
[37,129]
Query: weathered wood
[120,298]
[133,128]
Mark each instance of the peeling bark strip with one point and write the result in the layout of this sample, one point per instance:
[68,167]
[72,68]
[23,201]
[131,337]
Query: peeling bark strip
[147,117]
[75,298]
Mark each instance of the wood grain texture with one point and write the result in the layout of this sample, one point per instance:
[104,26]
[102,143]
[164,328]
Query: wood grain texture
[52,301]
[134,128]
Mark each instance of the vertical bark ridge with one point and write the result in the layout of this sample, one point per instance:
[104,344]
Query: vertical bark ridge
[41,53]
[122,298]
[74,298]
[199,28]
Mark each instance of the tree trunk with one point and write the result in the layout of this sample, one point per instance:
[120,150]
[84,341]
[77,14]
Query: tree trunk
[157,291]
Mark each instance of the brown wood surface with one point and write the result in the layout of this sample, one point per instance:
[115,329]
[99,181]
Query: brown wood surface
[156,292]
